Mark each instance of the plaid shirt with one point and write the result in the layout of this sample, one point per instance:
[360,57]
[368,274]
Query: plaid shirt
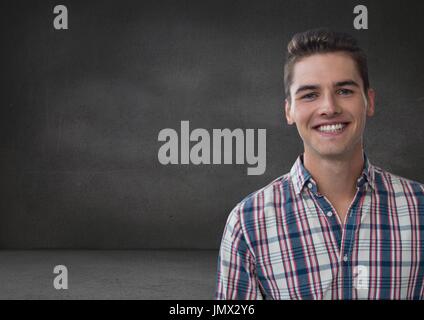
[286,241]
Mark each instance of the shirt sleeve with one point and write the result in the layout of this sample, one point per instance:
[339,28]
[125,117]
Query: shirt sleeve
[236,276]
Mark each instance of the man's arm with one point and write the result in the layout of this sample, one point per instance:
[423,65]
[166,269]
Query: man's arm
[236,277]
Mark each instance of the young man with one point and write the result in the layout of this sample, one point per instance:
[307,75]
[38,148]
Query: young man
[335,226]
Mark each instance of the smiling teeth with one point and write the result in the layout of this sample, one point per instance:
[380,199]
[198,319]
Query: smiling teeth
[331,127]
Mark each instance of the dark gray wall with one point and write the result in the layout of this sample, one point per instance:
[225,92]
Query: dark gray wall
[81,111]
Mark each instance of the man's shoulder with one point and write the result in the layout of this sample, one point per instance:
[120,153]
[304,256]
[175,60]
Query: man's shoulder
[397,182]
[259,199]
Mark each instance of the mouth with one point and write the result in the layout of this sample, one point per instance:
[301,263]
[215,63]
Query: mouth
[332,129]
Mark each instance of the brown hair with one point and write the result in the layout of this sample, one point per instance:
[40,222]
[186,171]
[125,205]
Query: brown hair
[318,41]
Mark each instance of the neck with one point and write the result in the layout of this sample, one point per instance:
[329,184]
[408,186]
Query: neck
[335,177]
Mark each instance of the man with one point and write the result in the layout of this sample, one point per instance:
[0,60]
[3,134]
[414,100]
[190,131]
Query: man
[335,226]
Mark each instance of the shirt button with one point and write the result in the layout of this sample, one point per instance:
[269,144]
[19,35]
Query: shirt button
[329,214]
[310,185]
[345,258]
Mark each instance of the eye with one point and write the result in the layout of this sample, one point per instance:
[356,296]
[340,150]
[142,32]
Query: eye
[344,92]
[309,96]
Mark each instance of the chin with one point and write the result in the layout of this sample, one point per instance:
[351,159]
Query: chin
[332,153]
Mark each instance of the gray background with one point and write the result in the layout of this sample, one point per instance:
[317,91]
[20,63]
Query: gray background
[81,111]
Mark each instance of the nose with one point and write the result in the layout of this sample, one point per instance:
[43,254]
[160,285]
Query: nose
[329,106]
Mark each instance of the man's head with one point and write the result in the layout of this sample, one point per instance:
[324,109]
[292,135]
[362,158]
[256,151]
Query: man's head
[327,92]
[321,41]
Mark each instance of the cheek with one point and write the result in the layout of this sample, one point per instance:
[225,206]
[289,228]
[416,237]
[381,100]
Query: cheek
[361,115]
[357,105]
[304,116]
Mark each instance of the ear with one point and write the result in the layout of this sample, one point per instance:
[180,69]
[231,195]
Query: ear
[371,102]
[288,110]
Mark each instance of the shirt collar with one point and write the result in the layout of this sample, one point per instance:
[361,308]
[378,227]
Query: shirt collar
[368,173]
[300,176]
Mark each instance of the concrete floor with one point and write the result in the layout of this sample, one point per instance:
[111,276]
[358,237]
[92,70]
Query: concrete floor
[139,274]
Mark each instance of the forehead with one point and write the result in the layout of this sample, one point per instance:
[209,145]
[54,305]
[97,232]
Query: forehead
[322,69]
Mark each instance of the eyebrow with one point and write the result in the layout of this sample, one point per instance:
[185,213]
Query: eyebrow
[337,84]
[306,87]
[346,83]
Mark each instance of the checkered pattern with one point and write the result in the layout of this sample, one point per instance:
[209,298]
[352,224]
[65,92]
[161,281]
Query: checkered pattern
[286,241]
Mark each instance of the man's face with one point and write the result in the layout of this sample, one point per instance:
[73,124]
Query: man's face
[328,105]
